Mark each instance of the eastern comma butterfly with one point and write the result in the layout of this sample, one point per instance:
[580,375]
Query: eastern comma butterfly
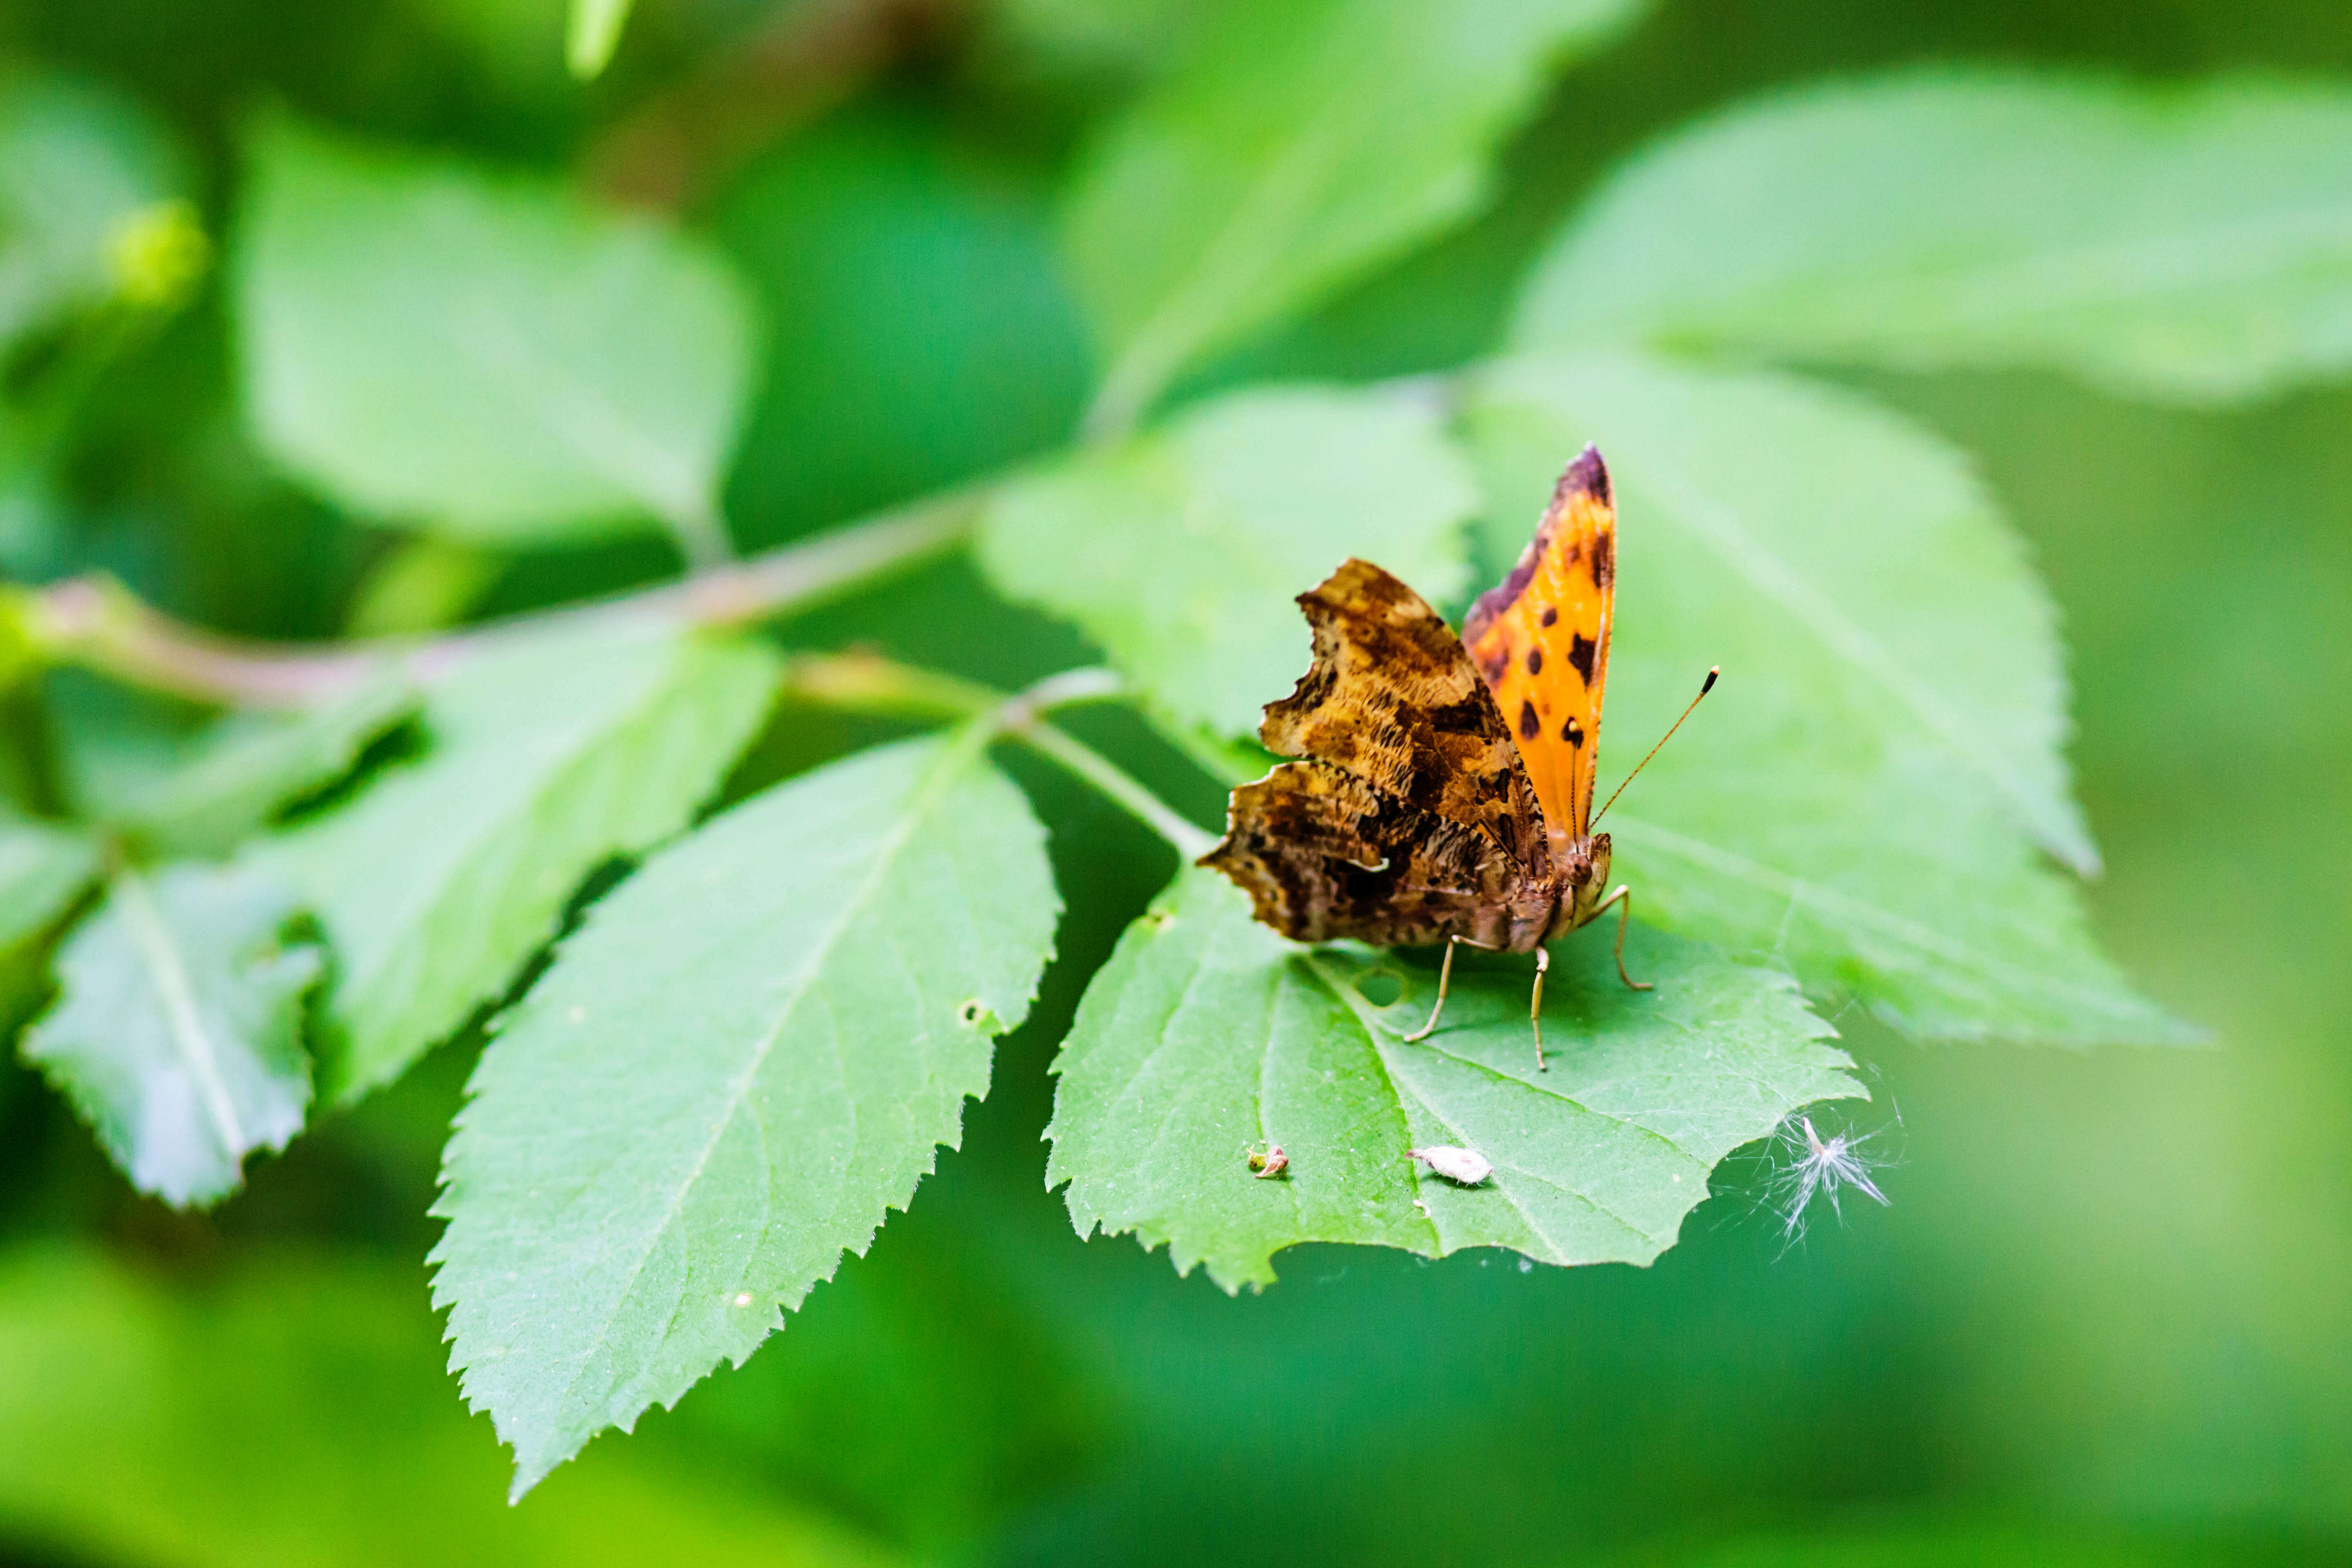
[1445,792]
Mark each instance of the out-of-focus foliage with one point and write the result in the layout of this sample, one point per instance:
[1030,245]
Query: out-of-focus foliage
[177,1031]
[544,757]
[1299,146]
[484,358]
[1337,277]
[2188,243]
[148,1424]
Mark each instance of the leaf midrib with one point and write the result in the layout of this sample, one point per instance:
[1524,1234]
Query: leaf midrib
[183,1019]
[954,756]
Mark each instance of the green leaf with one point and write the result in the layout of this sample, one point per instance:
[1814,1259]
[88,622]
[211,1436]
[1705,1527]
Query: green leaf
[2190,243]
[288,1407]
[488,358]
[1182,551]
[1207,1034]
[744,1058]
[177,1031]
[593,33]
[1302,145]
[1857,798]
[77,166]
[547,757]
[44,867]
[205,794]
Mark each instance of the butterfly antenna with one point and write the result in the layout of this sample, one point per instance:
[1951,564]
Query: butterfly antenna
[1705,686]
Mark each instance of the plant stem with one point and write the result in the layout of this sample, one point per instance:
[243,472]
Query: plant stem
[1120,787]
[96,623]
[871,684]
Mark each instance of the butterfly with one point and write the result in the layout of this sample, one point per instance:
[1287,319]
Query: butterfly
[1446,790]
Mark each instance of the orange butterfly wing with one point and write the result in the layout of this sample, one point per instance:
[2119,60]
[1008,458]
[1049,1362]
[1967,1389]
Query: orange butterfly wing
[1541,640]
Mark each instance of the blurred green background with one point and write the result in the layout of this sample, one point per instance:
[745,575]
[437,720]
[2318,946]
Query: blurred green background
[2108,1318]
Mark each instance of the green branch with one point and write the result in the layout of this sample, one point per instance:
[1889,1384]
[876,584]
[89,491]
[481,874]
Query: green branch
[97,624]
[870,684]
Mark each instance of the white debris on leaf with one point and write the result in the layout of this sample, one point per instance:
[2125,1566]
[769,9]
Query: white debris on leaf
[1820,1166]
[1464,1167]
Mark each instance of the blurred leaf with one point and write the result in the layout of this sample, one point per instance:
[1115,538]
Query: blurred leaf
[1300,146]
[593,33]
[205,794]
[744,1058]
[1180,551]
[919,330]
[292,1412]
[1208,1033]
[548,756]
[485,357]
[77,165]
[1854,798]
[2190,243]
[177,1030]
[44,867]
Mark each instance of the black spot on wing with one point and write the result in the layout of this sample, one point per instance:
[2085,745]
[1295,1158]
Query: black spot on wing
[1551,615]
[1581,649]
[1572,732]
[1535,661]
[1528,724]
[1604,559]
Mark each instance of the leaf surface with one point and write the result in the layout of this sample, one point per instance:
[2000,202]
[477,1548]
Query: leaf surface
[1182,551]
[177,1030]
[1301,145]
[748,1054]
[546,758]
[1207,1034]
[485,357]
[1861,796]
[2181,243]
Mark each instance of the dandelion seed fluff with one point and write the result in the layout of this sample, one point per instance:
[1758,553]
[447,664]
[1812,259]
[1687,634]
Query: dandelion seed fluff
[1819,1167]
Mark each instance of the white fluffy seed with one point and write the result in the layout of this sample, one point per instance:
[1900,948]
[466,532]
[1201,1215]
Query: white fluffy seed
[1467,1166]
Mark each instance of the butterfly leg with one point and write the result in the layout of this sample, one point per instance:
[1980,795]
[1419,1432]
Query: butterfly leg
[1535,1007]
[1444,978]
[1623,898]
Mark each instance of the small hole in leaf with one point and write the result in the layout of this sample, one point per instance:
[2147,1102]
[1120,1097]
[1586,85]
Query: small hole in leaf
[1158,919]
[1381,987]
[971,1012]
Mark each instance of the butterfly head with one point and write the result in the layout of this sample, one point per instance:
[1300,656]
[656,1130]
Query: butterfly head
[1583,870]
